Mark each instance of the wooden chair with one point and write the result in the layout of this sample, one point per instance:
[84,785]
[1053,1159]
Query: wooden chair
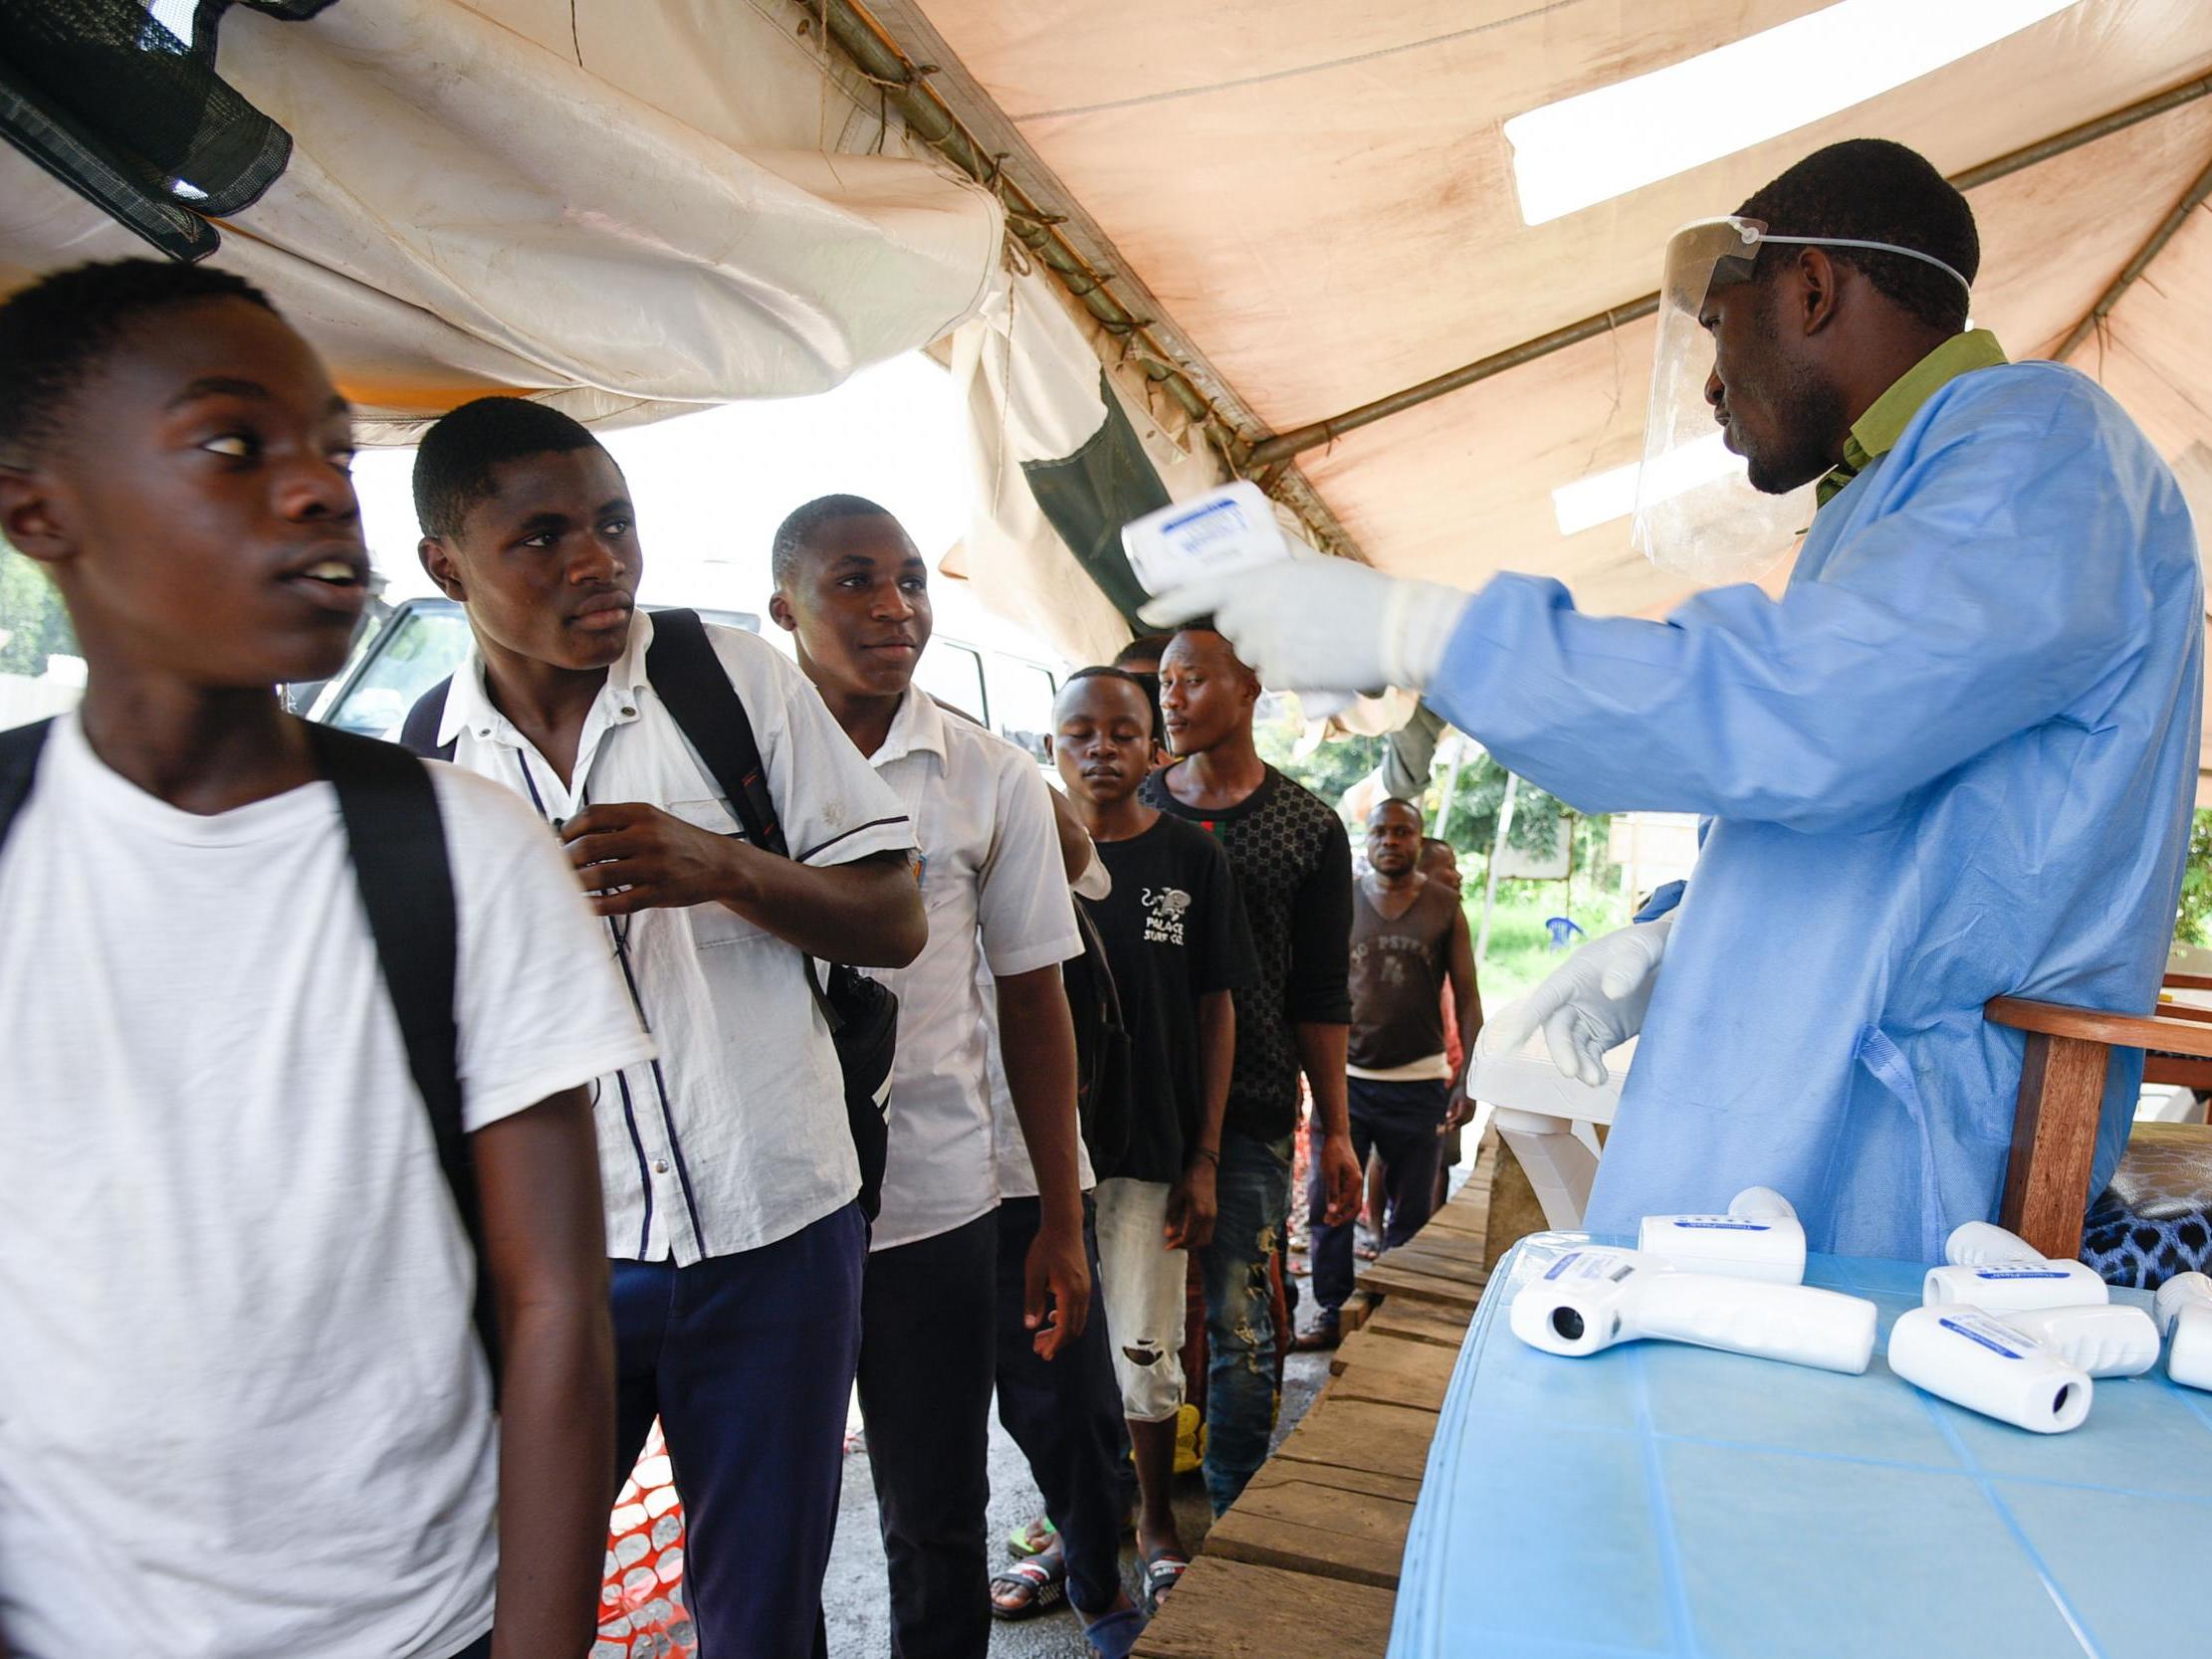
[2062,1096]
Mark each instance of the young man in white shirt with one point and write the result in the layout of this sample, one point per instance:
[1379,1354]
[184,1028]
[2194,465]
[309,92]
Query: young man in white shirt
[728,1163]
[851,586]
[243,1409]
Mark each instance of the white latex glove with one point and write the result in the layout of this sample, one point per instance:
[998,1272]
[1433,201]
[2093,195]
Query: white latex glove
[1591,1003]
[1323,624]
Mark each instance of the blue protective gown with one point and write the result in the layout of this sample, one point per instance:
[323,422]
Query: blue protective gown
[1955,760]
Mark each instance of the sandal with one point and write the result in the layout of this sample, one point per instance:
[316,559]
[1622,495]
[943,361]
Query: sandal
[1042,1578]
[1113,1636]
[1163,1573]
[1018,1542]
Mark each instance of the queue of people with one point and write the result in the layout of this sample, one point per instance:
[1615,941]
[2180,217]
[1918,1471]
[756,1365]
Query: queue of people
[343,1040]
[390,1143]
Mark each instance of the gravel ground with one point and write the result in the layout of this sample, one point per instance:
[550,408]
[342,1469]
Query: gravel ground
[855,1594]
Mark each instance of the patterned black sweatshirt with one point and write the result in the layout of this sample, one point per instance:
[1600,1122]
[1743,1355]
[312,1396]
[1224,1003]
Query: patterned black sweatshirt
[1293,868]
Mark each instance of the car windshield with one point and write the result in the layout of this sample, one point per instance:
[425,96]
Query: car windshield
[413,652]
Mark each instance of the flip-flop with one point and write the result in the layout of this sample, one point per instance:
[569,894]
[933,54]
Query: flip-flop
[1046,1583]
[1018,1541]
[1114,1635]
[1163,1571]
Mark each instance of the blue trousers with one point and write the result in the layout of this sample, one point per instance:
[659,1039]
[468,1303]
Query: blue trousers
[1065,1415]
[1254,1191]
[1400,1121]
[748,1360]
[927,1351]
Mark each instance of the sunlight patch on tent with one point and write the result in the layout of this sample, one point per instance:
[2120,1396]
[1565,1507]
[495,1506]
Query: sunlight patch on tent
[1599,497]
[1604,144]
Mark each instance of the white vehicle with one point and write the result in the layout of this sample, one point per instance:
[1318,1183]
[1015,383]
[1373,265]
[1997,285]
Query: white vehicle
[423,641]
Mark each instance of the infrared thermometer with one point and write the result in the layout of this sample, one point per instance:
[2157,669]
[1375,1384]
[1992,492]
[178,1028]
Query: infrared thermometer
[1591,1298]
[2184,1307]
[2107,1339]
[1759,1238]
[1988,1365]
[2001,1271]
[1226,531]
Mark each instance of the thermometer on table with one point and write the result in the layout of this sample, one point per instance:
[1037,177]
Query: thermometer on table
[1597,1296]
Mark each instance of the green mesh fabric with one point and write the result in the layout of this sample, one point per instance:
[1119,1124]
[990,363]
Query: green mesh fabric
[1089,496]
[111,101]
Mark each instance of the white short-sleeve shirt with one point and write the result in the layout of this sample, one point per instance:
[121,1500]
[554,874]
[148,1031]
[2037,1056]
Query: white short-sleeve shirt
[242,1408]
[997,896]
[738,1136]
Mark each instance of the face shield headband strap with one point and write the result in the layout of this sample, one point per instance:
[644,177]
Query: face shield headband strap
[1874,247]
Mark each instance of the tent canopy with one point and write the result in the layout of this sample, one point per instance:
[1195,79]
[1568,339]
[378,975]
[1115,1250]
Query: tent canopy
[625,208]
[1322,200]
[1322,197]
[1259,215]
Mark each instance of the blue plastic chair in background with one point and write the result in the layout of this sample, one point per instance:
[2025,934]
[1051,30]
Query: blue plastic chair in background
[1564,931]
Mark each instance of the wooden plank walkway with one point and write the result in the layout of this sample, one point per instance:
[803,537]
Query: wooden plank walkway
[1306,1561]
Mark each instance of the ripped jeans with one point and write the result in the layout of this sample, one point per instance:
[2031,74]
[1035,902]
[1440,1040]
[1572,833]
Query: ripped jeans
[1253,1189]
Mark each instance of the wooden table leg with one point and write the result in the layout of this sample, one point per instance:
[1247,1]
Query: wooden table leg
[2054,1142]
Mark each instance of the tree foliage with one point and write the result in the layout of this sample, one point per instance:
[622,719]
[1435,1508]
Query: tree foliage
[1539,819]
[2193,923]
[33,624]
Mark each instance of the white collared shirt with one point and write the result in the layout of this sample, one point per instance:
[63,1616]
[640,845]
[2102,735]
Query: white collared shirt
[997,903]
[737,1136]
[243,1409]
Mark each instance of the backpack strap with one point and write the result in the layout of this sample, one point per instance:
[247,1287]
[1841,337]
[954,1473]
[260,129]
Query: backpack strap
[19,762]
[420,729]
[398,841]
[689,677]
[690,680]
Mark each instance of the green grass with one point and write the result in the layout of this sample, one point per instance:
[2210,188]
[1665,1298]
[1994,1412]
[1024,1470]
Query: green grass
[1520,953]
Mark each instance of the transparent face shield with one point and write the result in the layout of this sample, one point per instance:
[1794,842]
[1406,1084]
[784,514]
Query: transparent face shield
[1696,514]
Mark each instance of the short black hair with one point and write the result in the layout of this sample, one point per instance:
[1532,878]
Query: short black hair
[1874,190]
[1145,648]
[801,524]
[1148,684]
[57,331]
[453,465]
[1204,625]
[1420,817]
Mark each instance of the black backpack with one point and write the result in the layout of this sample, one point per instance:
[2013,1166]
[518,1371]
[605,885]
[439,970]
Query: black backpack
[396,840]
[862,1014]
[1102,1048]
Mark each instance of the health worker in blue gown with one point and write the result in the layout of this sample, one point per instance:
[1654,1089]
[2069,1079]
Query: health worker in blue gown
[1954,760]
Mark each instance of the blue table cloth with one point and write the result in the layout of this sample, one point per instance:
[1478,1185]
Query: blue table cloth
[1662,1500]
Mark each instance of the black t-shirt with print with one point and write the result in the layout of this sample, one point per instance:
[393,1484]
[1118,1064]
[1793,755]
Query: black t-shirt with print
[1293,866]
[1174,931]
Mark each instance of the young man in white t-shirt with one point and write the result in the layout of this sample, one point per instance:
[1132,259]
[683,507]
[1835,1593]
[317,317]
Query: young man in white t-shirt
[243,1407]
[851,586]
[729,1162]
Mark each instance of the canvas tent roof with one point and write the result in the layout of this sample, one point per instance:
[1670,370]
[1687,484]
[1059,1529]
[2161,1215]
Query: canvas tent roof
[1321,198]
[1274,211]
[714,208]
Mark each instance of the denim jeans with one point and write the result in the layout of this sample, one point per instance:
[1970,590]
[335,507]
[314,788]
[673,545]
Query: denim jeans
[1254,1191]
